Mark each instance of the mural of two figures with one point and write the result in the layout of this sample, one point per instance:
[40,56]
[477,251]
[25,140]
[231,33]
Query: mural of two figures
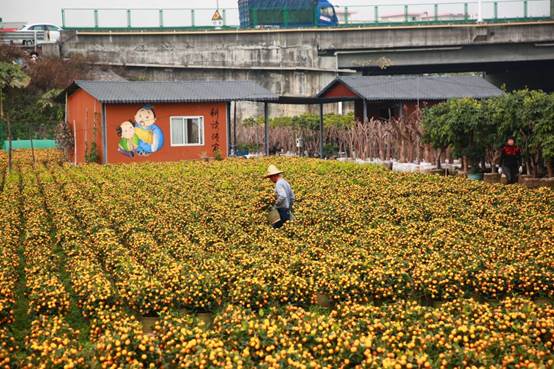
[141,135]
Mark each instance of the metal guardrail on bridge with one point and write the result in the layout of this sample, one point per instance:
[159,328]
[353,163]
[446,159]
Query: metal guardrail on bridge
[357,15]
[23,38]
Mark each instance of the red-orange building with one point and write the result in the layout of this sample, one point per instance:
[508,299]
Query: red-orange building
[139,121]
[383,97]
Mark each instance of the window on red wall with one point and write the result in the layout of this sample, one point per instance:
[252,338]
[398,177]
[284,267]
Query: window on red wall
[187,131]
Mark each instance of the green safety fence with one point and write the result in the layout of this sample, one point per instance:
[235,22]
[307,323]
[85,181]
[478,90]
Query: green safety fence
[144,19]
[26,144]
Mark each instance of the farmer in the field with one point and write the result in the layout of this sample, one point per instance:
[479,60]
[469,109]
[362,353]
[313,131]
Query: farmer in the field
[284,196]
[510,157]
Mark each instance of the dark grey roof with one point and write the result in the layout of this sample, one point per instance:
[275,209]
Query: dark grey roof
[380,88]
[127,92]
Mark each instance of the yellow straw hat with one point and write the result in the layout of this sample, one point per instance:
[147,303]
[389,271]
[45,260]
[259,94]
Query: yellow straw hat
[272,170]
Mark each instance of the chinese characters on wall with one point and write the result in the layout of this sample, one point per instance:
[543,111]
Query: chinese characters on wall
[214,114]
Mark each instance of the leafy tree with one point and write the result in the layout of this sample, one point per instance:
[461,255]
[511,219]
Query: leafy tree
[474,128]
[436,129]
[11,76]
[339,120]
[30,117]
[55,73]
[304,121]
[517,114]
[542,140]
[468,131]
[534,110]
[32,110]
[279,122]
[463,125]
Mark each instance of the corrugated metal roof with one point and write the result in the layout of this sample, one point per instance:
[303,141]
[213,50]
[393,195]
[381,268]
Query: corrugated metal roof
[128,92]
[381,88]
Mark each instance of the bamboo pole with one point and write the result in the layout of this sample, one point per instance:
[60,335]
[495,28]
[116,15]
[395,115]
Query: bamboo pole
[9,144]
[32,145]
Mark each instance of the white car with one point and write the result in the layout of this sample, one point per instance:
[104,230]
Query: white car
[52,32]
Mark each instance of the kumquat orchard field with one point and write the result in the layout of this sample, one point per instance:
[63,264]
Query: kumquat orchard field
[173,265]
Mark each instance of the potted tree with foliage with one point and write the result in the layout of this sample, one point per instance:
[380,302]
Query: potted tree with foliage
[538,125]
[470,133]
[436,129]
[518,114]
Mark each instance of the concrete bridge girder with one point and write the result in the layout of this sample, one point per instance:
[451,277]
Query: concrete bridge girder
[435,36]
[221,50]
[301,62]
[298,49]
[472,54]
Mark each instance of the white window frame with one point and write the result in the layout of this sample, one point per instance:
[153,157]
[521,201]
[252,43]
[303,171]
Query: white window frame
[185,117]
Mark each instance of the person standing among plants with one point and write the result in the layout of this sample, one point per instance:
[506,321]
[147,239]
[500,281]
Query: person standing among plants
[284,196]
[510,158]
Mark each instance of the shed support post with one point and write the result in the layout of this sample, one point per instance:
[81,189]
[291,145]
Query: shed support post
[266,129]
[321,131]
[228,130]
[364,120]
[235,128]
[10,153]
[32,145]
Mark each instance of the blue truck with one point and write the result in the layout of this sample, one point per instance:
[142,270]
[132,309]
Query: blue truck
[287,13]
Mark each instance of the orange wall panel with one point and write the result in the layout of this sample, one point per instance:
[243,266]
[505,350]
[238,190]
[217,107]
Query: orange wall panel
[339,90]
[84,115]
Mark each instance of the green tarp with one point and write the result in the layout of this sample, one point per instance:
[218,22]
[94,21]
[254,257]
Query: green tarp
[26,144]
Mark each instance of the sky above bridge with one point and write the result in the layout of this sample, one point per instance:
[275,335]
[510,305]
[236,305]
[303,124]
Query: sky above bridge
[50,10]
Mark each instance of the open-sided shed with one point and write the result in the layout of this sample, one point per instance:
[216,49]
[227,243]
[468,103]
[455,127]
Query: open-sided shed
[391,96]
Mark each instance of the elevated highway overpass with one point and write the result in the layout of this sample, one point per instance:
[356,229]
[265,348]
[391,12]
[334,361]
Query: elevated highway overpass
[302,61]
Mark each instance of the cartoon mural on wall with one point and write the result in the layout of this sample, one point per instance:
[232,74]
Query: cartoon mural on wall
[140,136]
